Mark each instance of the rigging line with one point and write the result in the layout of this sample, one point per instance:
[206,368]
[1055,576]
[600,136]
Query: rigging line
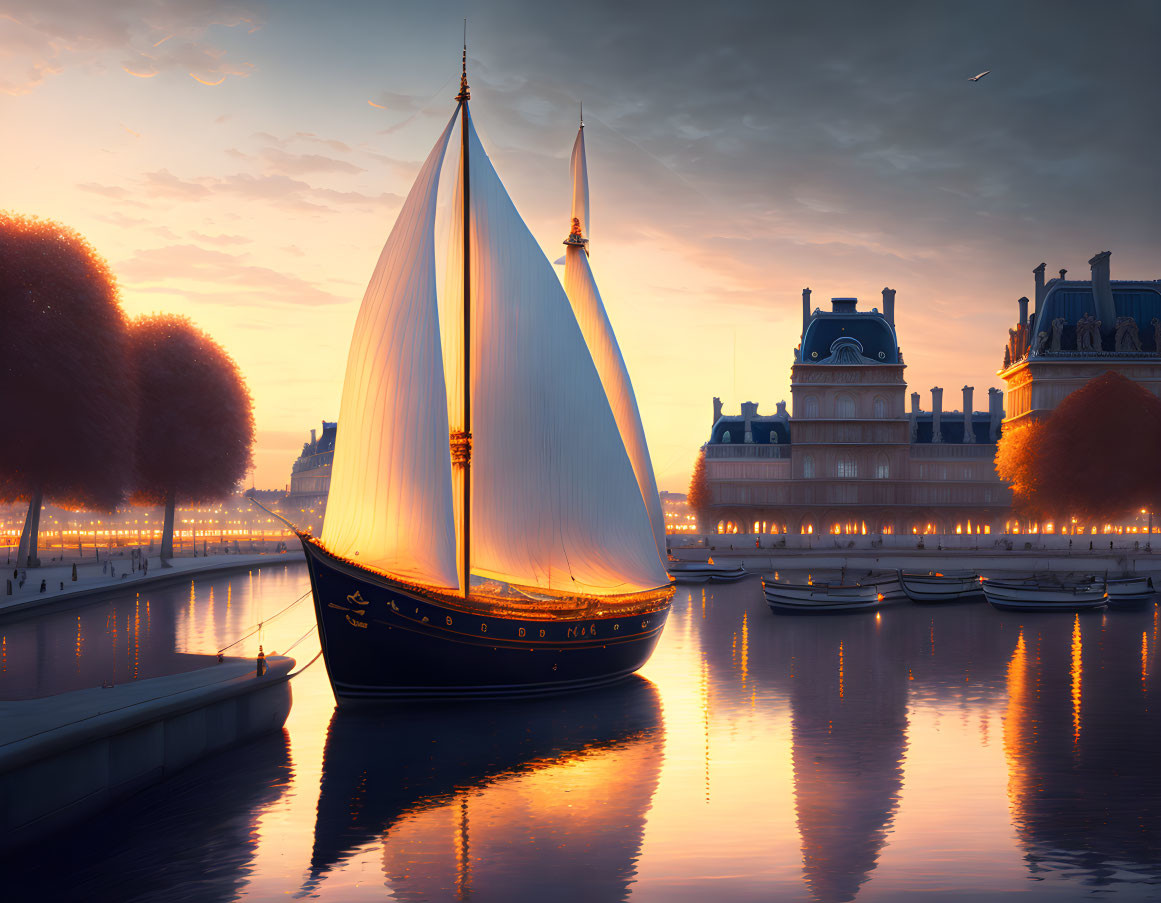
[304,667]
[260,623]
[301,638]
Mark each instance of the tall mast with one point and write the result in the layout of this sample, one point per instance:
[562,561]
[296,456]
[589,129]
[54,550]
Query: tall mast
[466,440]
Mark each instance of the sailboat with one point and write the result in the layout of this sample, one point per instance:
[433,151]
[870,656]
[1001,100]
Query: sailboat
[493,526]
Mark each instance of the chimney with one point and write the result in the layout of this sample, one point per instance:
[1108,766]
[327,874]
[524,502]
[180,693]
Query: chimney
[914,418]
[1063,273]
[749,412]
[889,305]
[1023,302]
[969,434]
[915,403]
[996,413]
[1102,293]
[1038,276]
[936,412]
[844,305]
[805,309]
[312,439]
[717,409]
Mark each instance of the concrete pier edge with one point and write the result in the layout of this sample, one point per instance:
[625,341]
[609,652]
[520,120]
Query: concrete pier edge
[63,758]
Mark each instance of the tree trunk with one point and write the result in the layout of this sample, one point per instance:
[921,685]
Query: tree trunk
[26,555]
[167,532]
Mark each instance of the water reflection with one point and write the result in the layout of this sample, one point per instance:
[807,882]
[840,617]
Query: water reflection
[507,800]
[1081,740]
[191,838]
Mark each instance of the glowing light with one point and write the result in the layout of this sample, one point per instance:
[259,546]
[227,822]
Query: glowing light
[1075,670]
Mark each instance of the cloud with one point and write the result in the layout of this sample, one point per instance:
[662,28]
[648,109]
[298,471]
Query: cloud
[221,240]
[216,277]
[40,39]
[276,189]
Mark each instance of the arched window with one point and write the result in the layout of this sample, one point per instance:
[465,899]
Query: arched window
[808,466]
[882,468]
[845,466]
[844,406]
[880,408]
[810,406]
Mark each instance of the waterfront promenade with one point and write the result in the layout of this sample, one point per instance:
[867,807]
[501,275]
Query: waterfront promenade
[113,575]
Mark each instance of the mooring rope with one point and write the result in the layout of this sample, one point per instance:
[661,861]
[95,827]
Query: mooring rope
[304,667]
[266,621]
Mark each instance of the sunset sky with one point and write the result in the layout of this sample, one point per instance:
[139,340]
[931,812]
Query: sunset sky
[242,163]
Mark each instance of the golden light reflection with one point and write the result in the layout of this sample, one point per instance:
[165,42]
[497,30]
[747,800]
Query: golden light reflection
[745,647]
[840,669]
[1144,659]
[1075,669]
[1015,720]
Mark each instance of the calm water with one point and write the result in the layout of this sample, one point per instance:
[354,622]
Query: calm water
[951,753]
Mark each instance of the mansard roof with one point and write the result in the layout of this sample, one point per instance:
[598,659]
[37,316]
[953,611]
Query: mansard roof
[872,334]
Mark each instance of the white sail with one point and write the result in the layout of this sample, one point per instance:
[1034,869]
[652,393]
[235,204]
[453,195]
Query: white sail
[555,503]
[590,314]
[390,503]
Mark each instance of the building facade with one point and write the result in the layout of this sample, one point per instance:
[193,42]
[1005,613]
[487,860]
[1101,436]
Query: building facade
[1077,330]
[310,475]
[851,458]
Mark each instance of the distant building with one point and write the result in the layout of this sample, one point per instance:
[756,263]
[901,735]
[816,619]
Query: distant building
[679,517]
[310,475]
[1078,329]
[851,458]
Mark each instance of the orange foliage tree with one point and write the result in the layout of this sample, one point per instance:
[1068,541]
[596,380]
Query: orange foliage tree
[699,493]
[196,427]
[69,399]
[1094,458]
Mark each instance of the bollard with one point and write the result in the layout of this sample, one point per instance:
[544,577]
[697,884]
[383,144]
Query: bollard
[43,586]
[74,572]
[261,662]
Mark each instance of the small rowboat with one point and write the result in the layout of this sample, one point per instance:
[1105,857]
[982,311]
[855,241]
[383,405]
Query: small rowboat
[703,572]
[943,587]
[792,598]
[1127,591]
[1043,595]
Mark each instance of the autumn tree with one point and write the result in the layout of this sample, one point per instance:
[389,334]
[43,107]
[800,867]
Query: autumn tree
[699,492]
[196,424]
[69,400]
[1094,458]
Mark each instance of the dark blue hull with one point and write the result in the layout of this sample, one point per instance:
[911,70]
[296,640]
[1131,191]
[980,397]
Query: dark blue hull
[381,640]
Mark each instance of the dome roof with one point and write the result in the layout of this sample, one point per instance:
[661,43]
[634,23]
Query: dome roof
[872,335]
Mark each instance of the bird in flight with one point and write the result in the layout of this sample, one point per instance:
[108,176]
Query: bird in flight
[976,78]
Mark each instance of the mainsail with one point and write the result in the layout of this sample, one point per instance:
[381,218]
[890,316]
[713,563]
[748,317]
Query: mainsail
[390,503]
[590,313]
[555,502]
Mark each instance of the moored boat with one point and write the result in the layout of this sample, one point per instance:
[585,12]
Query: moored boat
[801,598]
[941,587]
[1129,591]
[704,572]
[1045,595]
[493,526]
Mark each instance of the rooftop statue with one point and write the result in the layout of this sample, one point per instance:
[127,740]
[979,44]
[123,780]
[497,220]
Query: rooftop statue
[1057,331]
[1088,334]
[1127,337]
[1041,342]
[1157,335]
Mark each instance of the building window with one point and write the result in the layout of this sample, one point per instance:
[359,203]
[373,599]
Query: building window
[844,406]
[808,466]
[882,468]
[726,437]
[845,467]
[810,406]
[880,408]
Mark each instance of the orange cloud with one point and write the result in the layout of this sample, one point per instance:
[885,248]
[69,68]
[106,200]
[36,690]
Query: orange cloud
[377,106]
[139,74]
[198,78]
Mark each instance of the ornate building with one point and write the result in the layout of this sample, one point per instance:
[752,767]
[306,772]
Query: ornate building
[1078,329]
[852,459]
[310,475]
